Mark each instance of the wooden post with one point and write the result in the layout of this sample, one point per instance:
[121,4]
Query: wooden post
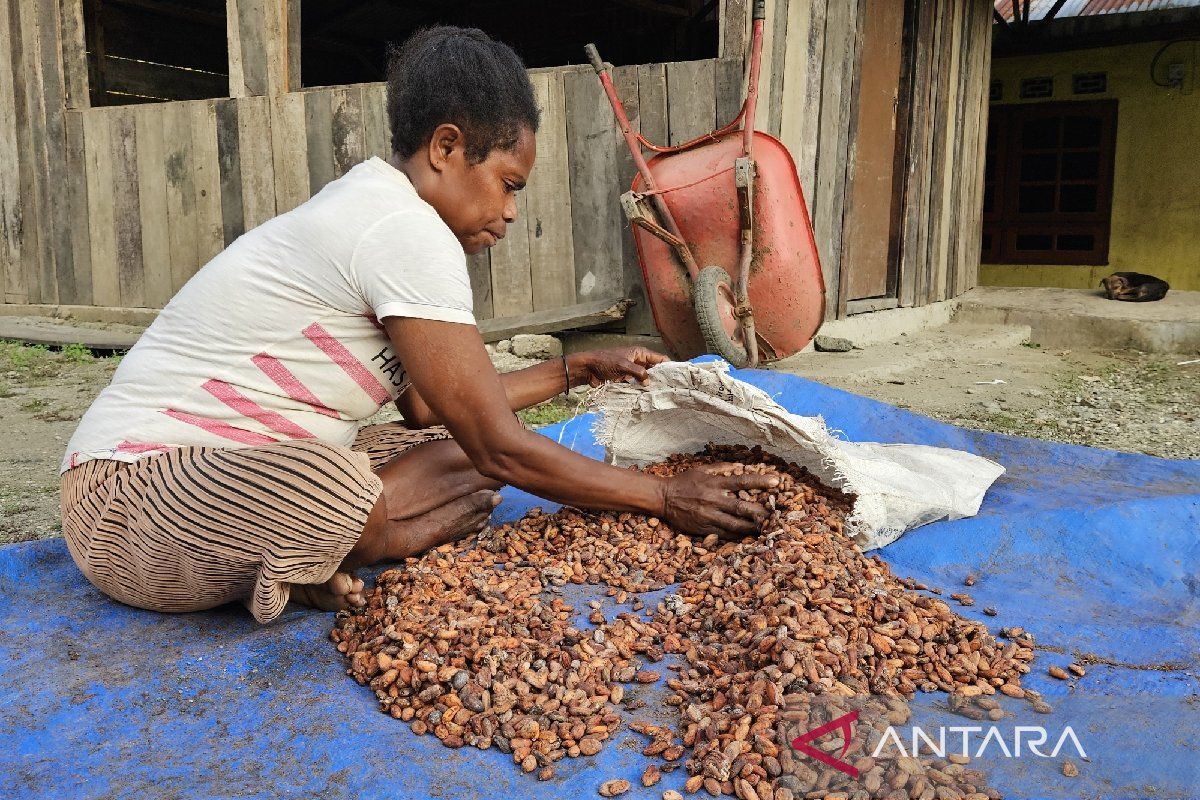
[264,47]
[734,28]
[73,45]
[94,37]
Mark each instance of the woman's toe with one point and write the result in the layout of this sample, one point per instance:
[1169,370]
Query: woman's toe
[354,590]
[340,584]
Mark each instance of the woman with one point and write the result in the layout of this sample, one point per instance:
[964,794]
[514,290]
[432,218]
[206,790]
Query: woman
[225,461]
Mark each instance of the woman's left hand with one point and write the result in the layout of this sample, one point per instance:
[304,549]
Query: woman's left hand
[595,367]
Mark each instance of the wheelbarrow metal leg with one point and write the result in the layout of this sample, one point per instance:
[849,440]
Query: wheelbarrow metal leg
[743,177]
[660,206]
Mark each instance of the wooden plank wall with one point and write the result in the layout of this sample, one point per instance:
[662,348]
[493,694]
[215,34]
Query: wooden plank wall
[162,188]
[35,210]
[119,206]
[947,124]
[167,186]
[813,103]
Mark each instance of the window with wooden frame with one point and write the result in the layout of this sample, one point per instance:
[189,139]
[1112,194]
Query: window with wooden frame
[1048,183]
[149,51]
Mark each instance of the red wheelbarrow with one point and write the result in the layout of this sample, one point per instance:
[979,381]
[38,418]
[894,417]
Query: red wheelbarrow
[730,200]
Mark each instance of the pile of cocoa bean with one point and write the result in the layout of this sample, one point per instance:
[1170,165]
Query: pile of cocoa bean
[769,637]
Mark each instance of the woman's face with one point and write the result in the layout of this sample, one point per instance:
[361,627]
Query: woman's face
[478,201]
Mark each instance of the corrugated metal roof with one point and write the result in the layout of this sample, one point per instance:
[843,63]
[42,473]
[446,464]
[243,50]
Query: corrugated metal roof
[1087,8]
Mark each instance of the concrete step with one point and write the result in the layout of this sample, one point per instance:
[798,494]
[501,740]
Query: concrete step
[1083,318]
[928,349]
[57,333]
[889,324]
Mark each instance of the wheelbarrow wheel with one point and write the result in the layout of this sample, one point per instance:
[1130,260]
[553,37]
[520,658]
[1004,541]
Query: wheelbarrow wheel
[712,298]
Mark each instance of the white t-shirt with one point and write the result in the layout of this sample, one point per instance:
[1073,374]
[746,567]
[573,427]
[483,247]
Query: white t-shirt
[278,337]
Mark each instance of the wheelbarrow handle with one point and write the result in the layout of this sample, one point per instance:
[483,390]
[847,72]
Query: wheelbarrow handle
[594,56]
[760,9]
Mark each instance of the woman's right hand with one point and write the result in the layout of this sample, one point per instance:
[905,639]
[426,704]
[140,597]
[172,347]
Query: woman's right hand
[701,503]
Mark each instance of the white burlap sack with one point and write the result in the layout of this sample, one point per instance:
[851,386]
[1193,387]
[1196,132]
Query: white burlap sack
[898,486]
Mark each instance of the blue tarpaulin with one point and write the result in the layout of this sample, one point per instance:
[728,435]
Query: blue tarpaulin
[1094,552]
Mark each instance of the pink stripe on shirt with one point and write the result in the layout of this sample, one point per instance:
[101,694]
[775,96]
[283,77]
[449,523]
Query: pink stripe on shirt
[141,447]
[271,420]
[274,369]
[337,351]
[224,430]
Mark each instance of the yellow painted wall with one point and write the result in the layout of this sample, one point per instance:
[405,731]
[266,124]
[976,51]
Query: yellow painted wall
[1156,181]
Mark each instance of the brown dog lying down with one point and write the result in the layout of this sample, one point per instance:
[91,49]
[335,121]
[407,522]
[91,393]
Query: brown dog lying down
[1134,287]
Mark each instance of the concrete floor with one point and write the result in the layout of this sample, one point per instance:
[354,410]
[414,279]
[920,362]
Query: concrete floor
[1055,318]
[1086,318]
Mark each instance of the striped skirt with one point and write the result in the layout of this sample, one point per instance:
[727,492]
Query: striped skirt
[197,527]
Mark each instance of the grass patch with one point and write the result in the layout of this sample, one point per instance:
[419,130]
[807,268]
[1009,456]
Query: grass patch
[547,413]
[44,411]
[33,364]
[27,360]
[13,507]
[56,415]
[76,354]
[1004,423]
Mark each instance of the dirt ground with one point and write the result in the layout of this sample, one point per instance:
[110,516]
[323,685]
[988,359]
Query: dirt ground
[43,394]
[1119,400]
[993,379]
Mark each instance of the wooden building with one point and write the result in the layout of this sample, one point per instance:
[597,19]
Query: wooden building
[130,156]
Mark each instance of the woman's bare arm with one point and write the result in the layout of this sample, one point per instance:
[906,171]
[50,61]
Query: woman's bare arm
[532,385]
[450,368]
[523,388]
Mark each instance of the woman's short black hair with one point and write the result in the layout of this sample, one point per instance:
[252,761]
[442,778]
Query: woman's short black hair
[464,77]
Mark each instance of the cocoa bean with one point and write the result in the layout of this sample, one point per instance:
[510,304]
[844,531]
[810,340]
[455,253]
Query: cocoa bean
[589,746]
[614,788]
[473,642]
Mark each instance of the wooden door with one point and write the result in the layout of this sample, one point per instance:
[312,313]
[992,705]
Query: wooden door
[870,217]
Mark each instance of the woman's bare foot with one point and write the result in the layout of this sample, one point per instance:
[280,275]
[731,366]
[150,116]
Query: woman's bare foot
[389,540]
[447,523]
[343,590]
